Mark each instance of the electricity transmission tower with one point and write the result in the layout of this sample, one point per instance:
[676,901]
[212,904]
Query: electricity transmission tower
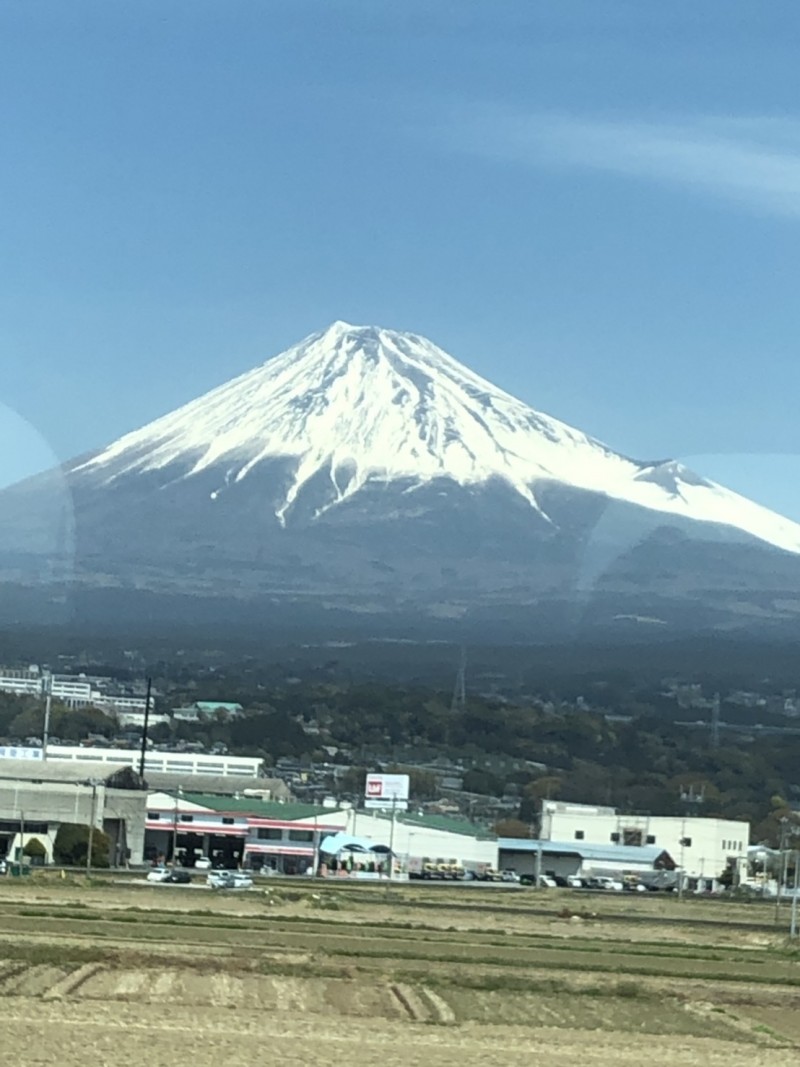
[460,688]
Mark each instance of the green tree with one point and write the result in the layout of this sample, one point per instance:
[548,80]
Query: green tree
[543,788]
[480,781]
[421,784]
[512,828]
[72,845]
[35,851]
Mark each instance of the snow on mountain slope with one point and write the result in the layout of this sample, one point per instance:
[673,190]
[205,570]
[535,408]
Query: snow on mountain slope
[364,404]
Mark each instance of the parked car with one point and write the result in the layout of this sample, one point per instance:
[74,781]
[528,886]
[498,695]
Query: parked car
[179,875]
[2,866]
[509,875]
[202,863]
[546,881]
[165,875]
[229,880]
[607,884]
[158,874]
[631,884]
[574,881]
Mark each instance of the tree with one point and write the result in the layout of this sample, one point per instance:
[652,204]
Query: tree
[421,784]
[35,851]
[543,788]
[512,828]
[72,845]
[484,782]
[352,780]
[276,732]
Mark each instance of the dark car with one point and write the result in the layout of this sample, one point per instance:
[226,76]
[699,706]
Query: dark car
[178,876]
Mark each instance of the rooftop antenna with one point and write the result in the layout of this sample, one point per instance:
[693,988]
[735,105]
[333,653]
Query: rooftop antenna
[460,688]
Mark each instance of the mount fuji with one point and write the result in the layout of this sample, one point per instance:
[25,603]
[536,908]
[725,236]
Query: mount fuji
[366,472]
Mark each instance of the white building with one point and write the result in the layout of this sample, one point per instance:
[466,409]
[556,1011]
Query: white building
[703,848]
[36,798]
[74,690]
[123,704]
[21,682]
[648,864]
[437,838]
[136,719]
[287,836]
[161,762]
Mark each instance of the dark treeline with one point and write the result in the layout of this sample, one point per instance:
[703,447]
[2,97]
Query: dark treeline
[181,653]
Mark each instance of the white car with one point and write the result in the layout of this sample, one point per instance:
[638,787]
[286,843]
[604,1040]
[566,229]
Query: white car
[158,874]
[609,884]
[202,863]
[229,880]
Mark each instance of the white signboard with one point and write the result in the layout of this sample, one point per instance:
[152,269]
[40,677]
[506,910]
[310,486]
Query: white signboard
[19,752]
[386,791]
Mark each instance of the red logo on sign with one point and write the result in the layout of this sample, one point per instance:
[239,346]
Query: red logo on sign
[374,787]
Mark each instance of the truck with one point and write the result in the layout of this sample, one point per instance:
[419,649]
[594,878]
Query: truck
[430,869]
[477,871]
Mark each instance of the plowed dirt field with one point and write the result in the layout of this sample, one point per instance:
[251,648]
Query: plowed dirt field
[119,974]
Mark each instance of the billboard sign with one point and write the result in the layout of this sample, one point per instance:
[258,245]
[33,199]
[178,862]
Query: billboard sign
[386,791]
[20,752]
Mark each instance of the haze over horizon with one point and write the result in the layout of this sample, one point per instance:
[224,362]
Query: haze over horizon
[594,209]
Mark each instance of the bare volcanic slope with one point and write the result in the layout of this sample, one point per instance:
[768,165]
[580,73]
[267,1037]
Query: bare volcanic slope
[367,469]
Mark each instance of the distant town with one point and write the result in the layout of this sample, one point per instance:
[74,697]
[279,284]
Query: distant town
[241,772]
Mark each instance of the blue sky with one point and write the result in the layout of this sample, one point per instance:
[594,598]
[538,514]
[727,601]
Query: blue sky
[595,205]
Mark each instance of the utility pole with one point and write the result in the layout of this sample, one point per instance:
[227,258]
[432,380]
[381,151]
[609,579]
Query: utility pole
[93,783]
[782,869]
[178,795]
[315,859]
[391,839]
[683,846]
[144,728]
[47,703]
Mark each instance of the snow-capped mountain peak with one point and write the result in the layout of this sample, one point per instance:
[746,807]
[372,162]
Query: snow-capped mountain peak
[362,404]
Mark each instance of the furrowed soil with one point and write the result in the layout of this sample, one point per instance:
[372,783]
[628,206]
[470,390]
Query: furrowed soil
[114,972]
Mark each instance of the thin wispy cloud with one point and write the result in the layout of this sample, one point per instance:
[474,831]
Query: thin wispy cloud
[753,162]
